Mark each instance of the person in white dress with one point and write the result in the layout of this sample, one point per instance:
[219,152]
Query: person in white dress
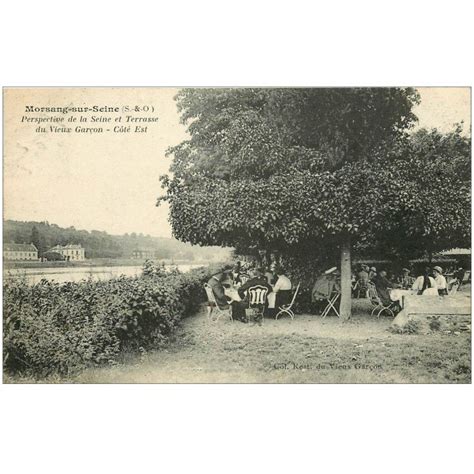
[425,284]
[440,281]
[281,294]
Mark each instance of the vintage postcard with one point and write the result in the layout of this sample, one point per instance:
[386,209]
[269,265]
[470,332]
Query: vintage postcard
[237,235]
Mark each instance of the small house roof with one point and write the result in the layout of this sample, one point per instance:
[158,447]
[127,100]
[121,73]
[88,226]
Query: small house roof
[65,247]
[20,248]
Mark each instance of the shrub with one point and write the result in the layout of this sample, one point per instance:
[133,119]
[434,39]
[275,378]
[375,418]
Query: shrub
[60,328]
[435,323]
[53,256]
[411,327]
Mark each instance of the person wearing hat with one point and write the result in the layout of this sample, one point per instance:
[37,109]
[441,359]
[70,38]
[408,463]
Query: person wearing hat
[362,280]
[326,285]
[372,273]
[440,281]
[217,287]
[405,280]
[383,286]
[459,275]
[363,274]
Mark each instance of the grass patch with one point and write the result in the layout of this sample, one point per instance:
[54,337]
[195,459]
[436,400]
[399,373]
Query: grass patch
[306,350]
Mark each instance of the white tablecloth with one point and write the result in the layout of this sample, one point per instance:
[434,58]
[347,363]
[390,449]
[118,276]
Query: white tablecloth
[232,293]
[271,298]
[397,294]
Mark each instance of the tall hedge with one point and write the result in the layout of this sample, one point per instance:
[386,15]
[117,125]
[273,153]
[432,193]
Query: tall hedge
[61,328]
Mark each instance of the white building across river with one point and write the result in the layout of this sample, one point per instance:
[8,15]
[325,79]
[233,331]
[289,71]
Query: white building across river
[20,252]
[70,251]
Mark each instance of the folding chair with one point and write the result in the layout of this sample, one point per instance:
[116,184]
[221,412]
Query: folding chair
[377,302]
[212,303]
[257,296]
[466,278]
[286,308]
[332,300]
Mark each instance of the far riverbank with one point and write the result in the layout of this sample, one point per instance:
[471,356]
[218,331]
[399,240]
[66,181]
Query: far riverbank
[96,262]
[80,273]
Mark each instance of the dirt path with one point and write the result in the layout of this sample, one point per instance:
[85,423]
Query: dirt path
[307,349]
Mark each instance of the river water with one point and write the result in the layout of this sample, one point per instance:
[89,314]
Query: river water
[62,275]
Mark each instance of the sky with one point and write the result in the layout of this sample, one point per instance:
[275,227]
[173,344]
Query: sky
[110,181]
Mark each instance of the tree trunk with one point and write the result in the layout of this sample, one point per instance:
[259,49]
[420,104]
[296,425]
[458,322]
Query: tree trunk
[346,287]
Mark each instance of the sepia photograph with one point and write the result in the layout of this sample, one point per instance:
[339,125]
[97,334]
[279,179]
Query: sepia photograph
[236,237]
[257,235]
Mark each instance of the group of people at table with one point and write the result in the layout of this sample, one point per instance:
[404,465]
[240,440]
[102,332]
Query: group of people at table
[430,282]
[230,288]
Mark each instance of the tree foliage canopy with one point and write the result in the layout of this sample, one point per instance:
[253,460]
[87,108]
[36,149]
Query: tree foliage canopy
[286,168]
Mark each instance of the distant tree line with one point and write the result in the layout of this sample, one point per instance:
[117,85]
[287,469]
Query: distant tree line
[99,244]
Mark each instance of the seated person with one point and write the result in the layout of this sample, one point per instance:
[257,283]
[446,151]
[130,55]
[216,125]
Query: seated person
[459,274]
[463,276]
[372,273]
[281,292]
[236,272]
[440,281]
[325,286]
[239,307]
[282,288]
[270,276]
[383,286]
[244,273]
[406,280]
[216,284]
[363,275]
[425,284]
[362,281]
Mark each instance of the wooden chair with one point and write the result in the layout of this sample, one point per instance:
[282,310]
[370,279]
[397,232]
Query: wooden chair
[377,302]
[286,308]
[212,303]
[257,297]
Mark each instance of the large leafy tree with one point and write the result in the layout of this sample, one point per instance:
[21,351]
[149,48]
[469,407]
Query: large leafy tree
[292,169]
[431,209]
